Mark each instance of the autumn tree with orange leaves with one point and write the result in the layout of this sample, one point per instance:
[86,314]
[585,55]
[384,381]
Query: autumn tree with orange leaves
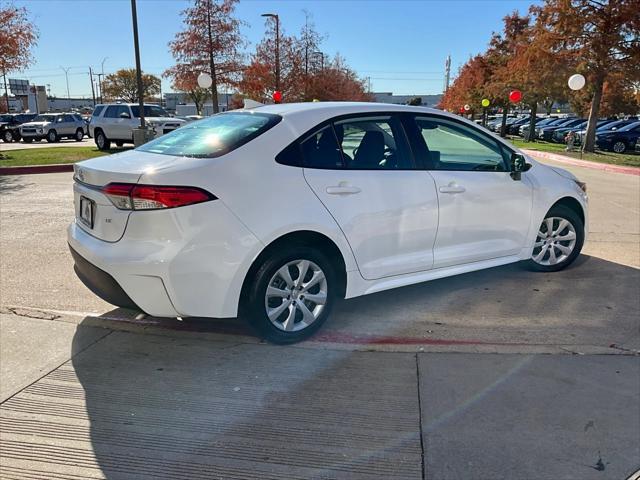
[604,38]
[211,43]
[18,36]
[302,76]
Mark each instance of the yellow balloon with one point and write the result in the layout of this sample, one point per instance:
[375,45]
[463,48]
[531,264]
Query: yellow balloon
[316,100]
[558,110]
[485,102]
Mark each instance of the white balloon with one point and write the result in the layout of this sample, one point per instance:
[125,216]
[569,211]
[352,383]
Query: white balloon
[576,81]
[467,107]
[205,80]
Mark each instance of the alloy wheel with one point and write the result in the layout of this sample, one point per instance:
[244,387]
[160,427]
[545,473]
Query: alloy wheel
[296,295]
[619,147]
[555,241]
[8,136]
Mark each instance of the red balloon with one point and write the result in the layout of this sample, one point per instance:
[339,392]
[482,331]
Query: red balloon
[461,109]
[277,96]
[515,96]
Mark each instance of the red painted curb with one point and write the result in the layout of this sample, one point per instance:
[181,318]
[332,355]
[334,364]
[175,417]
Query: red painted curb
[583,163]
[29,170]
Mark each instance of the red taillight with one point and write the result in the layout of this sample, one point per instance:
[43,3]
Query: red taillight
[129,196]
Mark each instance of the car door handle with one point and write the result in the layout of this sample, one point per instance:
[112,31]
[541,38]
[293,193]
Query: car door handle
[343,189]
[452,188]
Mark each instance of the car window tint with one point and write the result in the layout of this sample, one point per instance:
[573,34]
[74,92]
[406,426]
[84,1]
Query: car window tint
[372,144]
[112,111]
[321,150]
[454,146]
[68,118]
[97,110]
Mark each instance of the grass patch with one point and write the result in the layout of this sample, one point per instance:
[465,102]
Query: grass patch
[50,156]
[623,159]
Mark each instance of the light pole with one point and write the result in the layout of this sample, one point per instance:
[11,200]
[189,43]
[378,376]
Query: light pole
[136,46]
[66,74]
[100,75]
[277,19]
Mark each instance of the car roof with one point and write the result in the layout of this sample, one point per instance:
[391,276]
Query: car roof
[304,116]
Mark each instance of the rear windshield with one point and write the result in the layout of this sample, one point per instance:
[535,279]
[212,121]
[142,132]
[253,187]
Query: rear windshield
[213,136]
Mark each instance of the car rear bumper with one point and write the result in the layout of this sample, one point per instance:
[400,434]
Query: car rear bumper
[183,262]
[101,283]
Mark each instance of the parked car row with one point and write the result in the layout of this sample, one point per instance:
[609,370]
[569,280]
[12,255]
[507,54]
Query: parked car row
[50,126]
[615,135]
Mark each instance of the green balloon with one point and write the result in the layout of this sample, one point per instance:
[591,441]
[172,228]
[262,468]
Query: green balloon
[485,102]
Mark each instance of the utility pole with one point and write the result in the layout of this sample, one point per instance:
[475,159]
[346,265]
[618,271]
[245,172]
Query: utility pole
[93,92]
[100,75]
[136,45]
[212,64]
[66,74]
[447,72]
[277,20]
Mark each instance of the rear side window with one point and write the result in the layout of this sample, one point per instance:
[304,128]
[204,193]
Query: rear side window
[321,150]
[214,136]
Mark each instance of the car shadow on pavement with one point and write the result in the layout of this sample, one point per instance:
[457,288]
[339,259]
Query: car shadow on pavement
[593,302]
[140,405]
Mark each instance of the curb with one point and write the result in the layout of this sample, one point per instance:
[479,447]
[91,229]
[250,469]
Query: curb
[33,169]
[583,163]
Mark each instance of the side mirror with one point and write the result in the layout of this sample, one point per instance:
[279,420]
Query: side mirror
[125,115]
[518,165]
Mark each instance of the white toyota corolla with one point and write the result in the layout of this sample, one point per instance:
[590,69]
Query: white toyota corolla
[275,213]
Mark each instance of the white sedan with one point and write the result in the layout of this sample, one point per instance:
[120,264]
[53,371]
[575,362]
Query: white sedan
[274,213]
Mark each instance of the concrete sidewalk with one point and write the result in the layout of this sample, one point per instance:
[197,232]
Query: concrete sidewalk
[134,406]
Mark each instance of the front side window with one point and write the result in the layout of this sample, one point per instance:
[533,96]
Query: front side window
[97,110]
[45,118]
[213,136]
[455,146]
[374,143]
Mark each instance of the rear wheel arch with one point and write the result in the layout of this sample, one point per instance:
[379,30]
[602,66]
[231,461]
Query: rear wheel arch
[306,238]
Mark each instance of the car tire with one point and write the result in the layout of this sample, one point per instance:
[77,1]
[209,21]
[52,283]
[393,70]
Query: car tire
[558,249]
[119,143]
[79,135]
[102,142]
[7,136]
[52,136]
[619,147]
[280,309]
[27,140]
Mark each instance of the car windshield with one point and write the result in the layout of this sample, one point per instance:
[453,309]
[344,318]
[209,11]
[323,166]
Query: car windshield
[213,136]
[149,111]
[5,118]
[631,126]
[44,118]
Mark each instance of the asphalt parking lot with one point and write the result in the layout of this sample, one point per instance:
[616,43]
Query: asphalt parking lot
[496,374]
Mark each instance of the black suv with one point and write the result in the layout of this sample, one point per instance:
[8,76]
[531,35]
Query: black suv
[10,125]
